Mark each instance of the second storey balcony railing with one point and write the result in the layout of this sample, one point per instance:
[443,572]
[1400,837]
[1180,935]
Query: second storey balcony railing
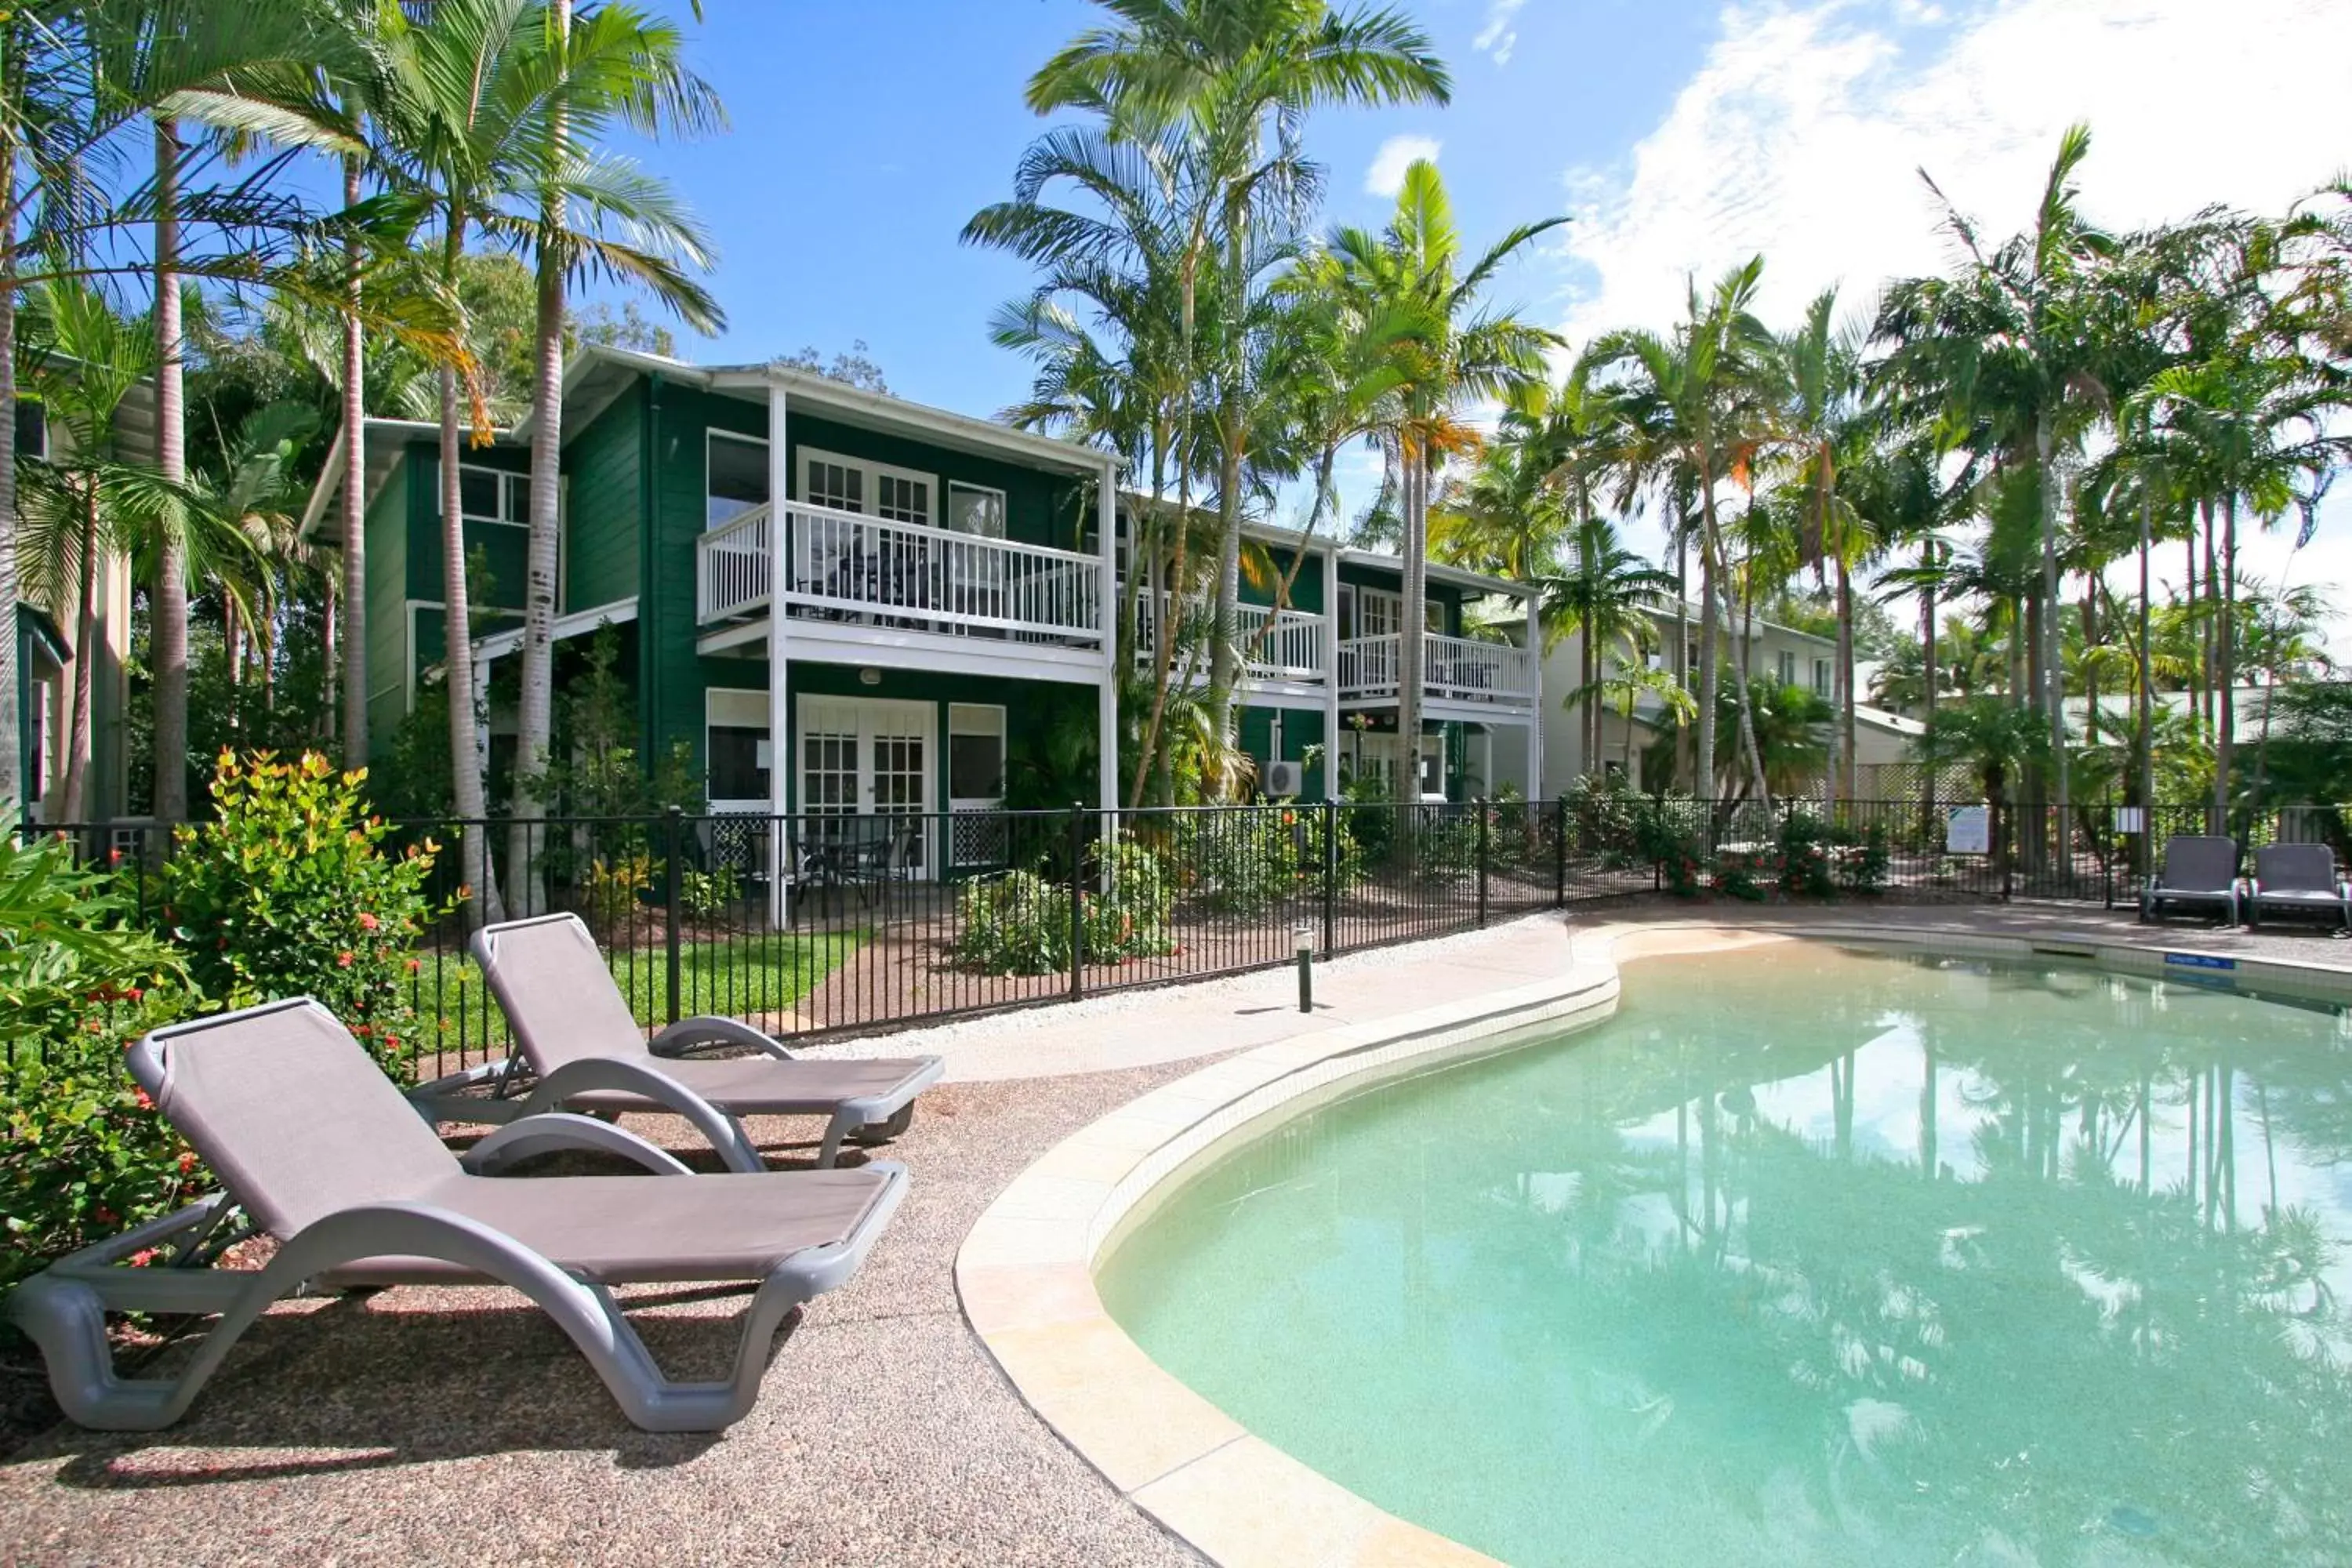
[845,566]
[1291,650]
[1457,670]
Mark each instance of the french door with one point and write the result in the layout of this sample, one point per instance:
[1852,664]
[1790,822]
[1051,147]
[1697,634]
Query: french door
[868,758]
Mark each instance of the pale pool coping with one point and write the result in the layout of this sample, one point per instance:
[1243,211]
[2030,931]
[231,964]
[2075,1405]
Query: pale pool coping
[1026,1272]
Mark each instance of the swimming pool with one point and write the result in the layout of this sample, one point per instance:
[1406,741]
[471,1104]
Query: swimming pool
[1807,1256]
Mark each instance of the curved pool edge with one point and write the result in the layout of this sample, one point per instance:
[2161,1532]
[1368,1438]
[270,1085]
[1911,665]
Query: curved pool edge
[1024,1274]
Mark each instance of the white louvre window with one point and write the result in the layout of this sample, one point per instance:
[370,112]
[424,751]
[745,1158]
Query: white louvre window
[490,495]
[1822,677]
[1784,666]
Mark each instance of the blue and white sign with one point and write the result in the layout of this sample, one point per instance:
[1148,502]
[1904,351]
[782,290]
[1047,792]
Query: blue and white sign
[2198,961]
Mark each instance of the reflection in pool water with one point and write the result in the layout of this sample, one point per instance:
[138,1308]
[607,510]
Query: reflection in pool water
[1808,1256]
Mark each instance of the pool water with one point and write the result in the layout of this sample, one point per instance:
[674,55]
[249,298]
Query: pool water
[1808,1256]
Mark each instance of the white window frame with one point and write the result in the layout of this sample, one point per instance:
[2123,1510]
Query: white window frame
[520,520]
[745,707]
[874,472]
[1824,682]
[1784,668]
[1003,507]
[715,434]
[958,715]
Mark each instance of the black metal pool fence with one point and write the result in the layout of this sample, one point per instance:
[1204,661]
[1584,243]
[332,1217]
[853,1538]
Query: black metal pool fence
[815,923]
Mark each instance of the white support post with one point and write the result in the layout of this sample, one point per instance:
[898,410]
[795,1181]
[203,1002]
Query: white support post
[1536,706]
[1330,672]
[780,733]
[1107,699]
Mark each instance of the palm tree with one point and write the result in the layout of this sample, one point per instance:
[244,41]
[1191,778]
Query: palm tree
[1827,434]
[1606,595]
[1634,679]
[1408,286]
[618,67]
[1695,406]
[474,130]
[2010,354]
[1997,740]
[1229,78]
[79,504]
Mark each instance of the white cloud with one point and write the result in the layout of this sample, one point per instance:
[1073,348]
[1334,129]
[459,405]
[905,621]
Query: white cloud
[1801,137]
[1499,37]
[1398,153]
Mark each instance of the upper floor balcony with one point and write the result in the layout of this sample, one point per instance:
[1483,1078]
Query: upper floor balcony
[1453,669]
[1290,650]
[848,565]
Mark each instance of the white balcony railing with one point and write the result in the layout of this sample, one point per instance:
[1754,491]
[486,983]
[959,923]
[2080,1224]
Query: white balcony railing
[842,565]
[1458,670]
[1291,652]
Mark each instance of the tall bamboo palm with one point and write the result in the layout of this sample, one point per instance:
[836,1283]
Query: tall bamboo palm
[1416,284]
[1232,78]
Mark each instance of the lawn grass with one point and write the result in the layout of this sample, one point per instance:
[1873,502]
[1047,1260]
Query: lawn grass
[759,973]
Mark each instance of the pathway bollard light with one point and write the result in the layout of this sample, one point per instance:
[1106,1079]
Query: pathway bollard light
[1306,937]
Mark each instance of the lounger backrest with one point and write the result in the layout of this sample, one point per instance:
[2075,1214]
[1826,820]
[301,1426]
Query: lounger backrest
[2204,865]
[289,1112]
[558,996]
[2296,868]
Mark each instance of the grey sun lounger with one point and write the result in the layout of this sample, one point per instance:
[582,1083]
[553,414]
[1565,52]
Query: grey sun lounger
[315,1146]
[2299,878]
[2199,873]
[578,1047]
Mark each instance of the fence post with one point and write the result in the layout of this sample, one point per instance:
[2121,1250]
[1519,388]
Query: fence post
[1559,854]
[1077,900]
[670,877]
[1480,806]
[1330,872]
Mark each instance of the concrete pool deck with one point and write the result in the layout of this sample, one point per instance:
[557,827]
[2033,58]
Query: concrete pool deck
[442,1425]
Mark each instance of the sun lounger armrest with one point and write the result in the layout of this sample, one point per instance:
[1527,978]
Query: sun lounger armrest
[450,1098]
[587,1074]
[820,1269]
[689,1034]
[554,1130]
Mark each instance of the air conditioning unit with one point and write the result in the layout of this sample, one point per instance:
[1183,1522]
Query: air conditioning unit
[1285,779]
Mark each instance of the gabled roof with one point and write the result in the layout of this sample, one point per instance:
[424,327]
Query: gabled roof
[597,373]
[382,456]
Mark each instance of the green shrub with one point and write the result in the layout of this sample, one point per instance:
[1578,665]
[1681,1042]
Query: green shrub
[1806,855]
[1667,833]
[1863,865]
[1017,922]
[1747,871]
[290,892]
[1014,923]
[84,1153]
[708,895]
[1248,862]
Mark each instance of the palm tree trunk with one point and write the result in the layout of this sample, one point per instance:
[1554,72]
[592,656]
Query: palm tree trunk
[2226,639]
[354,727]
[1933,676]
[1847,772]
[535,709]
[2050,681]
[1413,622]
[13,783]
[465,743]
[1681,629]
[1703,770]
[2146,701]
[76,789]
[168,632]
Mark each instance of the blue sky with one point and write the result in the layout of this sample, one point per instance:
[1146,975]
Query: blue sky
[1681,135]
[866,134]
